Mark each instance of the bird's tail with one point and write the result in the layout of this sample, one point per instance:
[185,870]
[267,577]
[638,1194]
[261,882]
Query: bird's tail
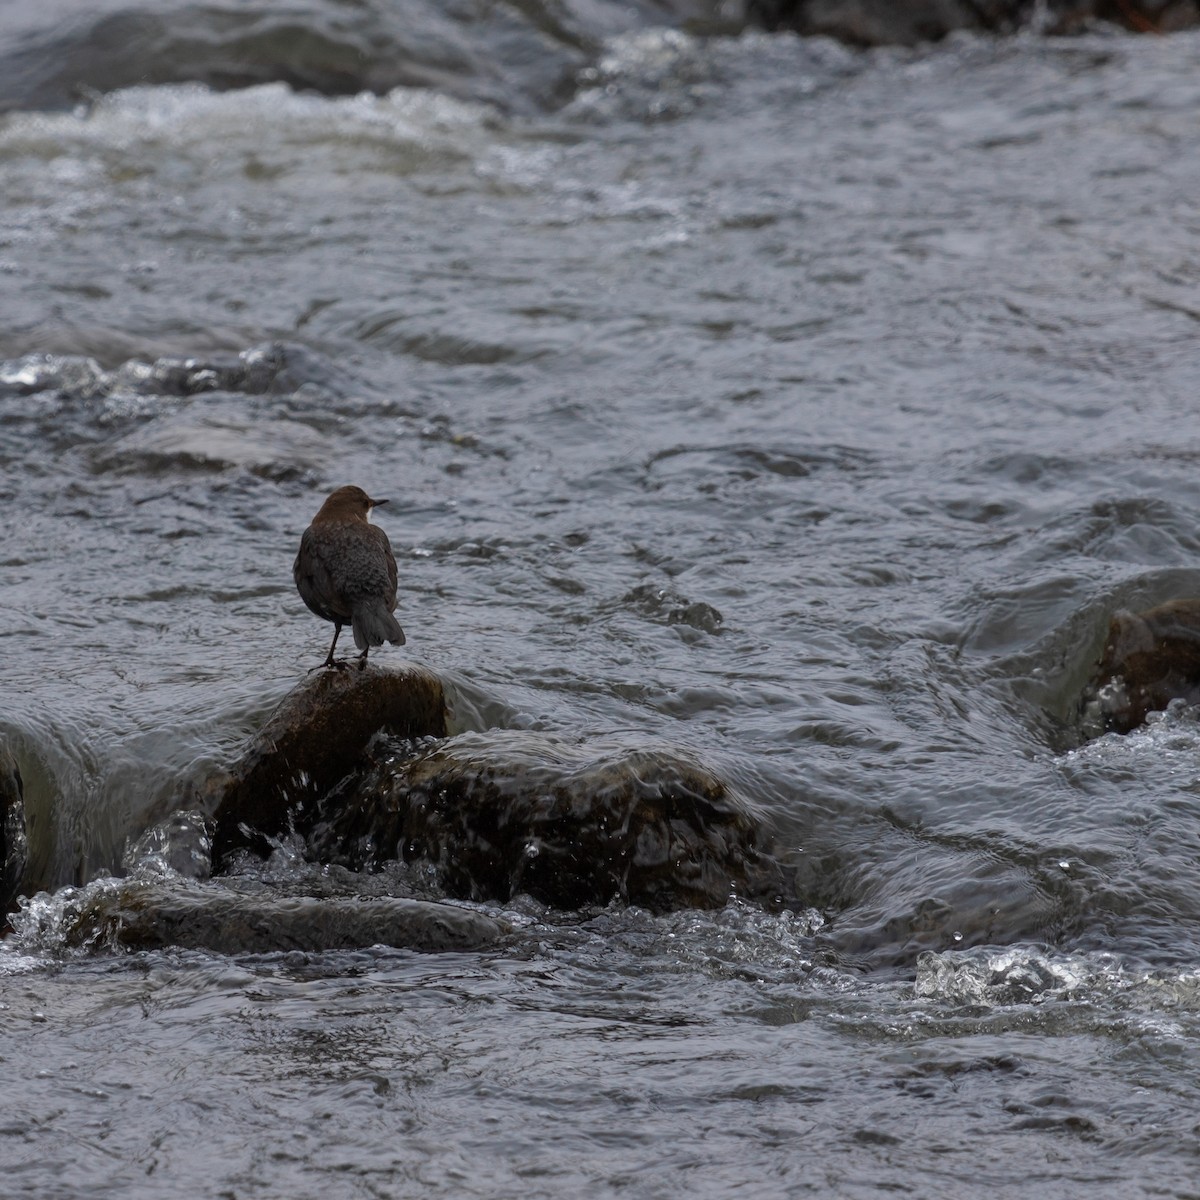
[373,625]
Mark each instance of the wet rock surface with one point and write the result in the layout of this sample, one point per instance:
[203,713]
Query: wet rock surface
[883,22]
[316,737]
[13,845]
[571,824]
[1150,659]
[146,915]
[358,765]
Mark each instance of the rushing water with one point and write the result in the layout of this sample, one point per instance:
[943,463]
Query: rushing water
[803,410]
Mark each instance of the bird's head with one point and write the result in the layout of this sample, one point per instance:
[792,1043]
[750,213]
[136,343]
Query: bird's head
[348,503]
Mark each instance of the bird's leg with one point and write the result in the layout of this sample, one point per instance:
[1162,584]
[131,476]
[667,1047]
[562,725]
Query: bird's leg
[362,660]
[337,629]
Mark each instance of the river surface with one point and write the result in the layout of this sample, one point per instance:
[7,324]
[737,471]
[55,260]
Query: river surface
[801,409]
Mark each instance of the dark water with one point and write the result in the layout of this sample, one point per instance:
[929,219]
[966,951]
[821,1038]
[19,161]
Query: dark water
[801,410]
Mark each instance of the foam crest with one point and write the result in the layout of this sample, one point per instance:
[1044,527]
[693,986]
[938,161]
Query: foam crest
[993,977]
[264,130]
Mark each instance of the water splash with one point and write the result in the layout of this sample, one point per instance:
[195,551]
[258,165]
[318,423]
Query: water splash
[993,978]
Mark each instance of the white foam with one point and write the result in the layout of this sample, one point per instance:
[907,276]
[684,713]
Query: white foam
[268,128]
[994,977]
[1170,738]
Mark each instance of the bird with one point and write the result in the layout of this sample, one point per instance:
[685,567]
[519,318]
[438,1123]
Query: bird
[346,573]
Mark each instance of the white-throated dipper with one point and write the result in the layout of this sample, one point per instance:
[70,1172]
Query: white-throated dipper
[346,574]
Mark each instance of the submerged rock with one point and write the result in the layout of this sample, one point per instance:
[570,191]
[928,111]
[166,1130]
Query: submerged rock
[143,915]
[271,367]
[501,53]
[316,737]
[570,824]
[13,842]
[1150,658]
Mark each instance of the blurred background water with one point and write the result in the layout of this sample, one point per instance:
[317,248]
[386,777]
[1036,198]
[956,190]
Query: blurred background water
[802,408]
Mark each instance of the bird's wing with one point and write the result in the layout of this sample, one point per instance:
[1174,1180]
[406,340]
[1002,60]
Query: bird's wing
[391,567]
[314,581]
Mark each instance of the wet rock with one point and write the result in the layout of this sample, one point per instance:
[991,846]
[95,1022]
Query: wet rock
[490,815]
[269,368]
[1140,16]
[145,915]
[251,372]
[699,616]
[209,443]
[509,812]
[317,736]
[874,22]
[886,22]
[13,841]
[1150,658]
[502,53]
[660,603]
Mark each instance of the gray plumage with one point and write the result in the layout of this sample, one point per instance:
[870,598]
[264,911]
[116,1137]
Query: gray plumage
[346,573]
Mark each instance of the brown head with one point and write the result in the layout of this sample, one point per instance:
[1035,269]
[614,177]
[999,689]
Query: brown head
[347,504]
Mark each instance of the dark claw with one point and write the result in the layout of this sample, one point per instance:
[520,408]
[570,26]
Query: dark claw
[339,664]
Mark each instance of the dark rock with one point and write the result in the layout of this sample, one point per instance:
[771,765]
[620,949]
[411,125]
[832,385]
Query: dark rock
[1141,16]
[142,915]
[658,603]
[698,616]
[572,825]
[876,22]
[13,840]
[491,815]
[1150,658]
[316,737]
[889,22]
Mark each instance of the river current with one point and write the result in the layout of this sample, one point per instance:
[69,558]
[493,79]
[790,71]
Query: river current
[803,409]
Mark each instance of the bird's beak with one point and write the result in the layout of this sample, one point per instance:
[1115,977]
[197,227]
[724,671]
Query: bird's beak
[377,503]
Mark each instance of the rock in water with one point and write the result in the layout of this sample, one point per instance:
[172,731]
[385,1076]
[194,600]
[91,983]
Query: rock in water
[572,825]
[887,22]
[316,737]
[493,814]
[143,915]
[13,842]
[1150,658]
